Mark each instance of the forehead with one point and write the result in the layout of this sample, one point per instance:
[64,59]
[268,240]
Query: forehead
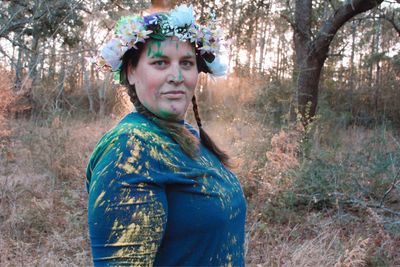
[168,47]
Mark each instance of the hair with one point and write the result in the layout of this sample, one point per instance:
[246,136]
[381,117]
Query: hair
[179,133]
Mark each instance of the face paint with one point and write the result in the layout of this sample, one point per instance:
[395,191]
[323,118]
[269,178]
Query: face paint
[180,75]
[154,54]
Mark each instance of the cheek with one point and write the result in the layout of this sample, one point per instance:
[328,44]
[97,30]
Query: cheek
[191,80]
[148,88]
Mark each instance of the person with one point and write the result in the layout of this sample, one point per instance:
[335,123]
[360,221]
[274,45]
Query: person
[160,191]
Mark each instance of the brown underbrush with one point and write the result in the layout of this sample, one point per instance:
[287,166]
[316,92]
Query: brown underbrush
[42,192]
[293,222]
[331,199]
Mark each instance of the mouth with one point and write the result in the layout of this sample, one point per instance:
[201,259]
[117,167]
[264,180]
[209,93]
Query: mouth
[177,92]
[173,94]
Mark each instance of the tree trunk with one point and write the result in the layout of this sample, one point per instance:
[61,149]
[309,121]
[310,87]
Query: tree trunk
[18,69]
[254,42]
[311,52]
[278,59]
[52,61]
[87,86]
[60,86]
[40,62]
[102,93]
[378,67]
[352,83]
[34,57]
[231,32]
[262,47]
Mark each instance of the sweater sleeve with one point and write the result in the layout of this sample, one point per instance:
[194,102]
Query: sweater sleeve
[127,209]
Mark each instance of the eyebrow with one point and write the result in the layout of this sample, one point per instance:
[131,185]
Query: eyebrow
[165,57]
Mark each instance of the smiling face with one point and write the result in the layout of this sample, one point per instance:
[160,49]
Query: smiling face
[165,77]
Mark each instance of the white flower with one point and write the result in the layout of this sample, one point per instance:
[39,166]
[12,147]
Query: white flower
[128,29]
[217,67]
[112,53]
[182,16]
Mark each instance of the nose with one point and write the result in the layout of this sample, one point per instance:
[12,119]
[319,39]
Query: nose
[175,76]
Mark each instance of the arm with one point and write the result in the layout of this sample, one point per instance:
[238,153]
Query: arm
[127,207]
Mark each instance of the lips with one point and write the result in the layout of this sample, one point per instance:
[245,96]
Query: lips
[175,94]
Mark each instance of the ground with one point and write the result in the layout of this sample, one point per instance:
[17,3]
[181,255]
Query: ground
[43,198]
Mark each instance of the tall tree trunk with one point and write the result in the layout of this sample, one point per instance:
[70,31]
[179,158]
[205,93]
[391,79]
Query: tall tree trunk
[60,85]
[278,59]
[352,84]
[52,61]
[254,42]
[378,67]
[102,93]
[262,46]
[33,62]
[87,86]
[40,62]
[18,69]
[311,52]
[231,32]
[371,66]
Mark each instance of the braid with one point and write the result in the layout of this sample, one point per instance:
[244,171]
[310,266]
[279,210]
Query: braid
[179,133]
[196,111]
[206,139]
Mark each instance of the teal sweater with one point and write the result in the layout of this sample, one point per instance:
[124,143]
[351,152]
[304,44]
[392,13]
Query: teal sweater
[150,204]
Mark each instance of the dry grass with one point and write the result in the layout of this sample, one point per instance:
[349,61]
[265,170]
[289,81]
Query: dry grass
[305,237]
[43,198]
[43,203]
[42,193]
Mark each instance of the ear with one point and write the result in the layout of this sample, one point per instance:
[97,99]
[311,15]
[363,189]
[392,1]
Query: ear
[131,75]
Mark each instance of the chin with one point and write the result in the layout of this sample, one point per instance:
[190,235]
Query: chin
[171,115]
[175,116]
[174,113]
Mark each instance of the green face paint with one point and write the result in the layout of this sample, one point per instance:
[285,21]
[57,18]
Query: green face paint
[180,75]
[163,113]
[155,53]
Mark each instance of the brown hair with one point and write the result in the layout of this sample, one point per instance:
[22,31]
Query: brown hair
[179,133]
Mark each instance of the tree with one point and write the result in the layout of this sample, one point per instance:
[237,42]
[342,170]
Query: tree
[312,51]
[37,21]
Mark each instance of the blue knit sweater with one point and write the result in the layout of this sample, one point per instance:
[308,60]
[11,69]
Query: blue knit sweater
[150,204]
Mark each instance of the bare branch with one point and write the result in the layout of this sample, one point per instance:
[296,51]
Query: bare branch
[339,18]
[393,186]
[9,27]
[6,54]
[390,17]
[290,21]
[19,44]
[332,4]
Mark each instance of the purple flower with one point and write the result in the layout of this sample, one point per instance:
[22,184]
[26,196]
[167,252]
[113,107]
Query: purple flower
[150,19]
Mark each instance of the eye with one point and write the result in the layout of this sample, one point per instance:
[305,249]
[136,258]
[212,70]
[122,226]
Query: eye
[187,64]
[159,63]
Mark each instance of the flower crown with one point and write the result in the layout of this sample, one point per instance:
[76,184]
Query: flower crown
[179,22]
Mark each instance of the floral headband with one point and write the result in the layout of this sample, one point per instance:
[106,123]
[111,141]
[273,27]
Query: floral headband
[179,22]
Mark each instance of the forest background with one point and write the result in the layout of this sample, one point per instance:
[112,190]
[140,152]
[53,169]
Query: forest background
[310,112]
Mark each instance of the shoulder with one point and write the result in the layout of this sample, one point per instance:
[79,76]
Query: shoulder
[132,129]
[133,133]
[127,149]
